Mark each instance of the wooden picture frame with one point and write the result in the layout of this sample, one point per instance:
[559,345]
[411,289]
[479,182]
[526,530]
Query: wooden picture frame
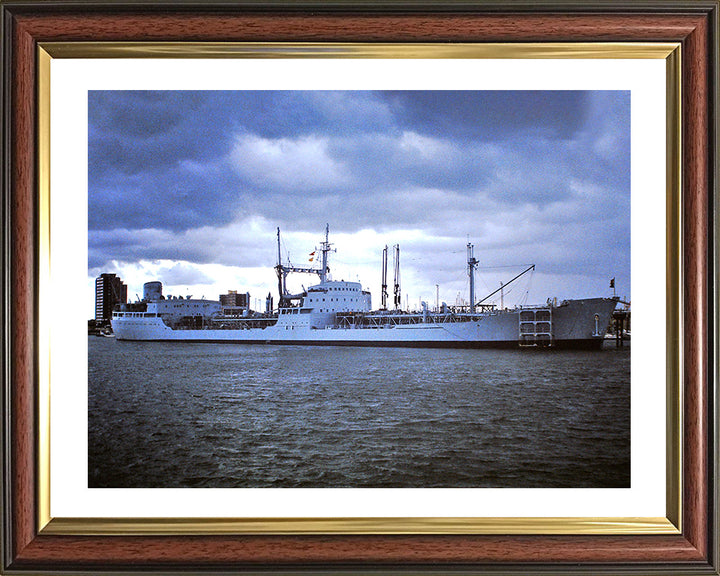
[29,548]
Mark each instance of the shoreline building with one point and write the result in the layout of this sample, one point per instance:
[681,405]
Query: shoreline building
[235,304]
[109,290]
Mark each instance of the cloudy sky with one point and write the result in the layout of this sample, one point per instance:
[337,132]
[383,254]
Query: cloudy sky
[188,187]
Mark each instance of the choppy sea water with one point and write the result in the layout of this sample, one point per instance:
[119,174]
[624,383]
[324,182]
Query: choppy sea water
[229,415]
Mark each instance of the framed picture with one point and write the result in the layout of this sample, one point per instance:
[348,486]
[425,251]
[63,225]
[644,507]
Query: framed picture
[185,131]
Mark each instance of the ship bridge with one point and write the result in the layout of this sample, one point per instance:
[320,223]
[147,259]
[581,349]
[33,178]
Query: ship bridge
[337,296]
[321,304]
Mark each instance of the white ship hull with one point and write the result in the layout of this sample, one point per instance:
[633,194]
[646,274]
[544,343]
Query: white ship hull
[339,313]
[573,324]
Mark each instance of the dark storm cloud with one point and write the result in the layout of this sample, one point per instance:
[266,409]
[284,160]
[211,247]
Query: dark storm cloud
[495,115]
[138,131]
[201,246]
[169,149]
[173,175]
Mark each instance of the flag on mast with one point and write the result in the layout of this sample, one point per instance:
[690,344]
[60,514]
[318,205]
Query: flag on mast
[312,255]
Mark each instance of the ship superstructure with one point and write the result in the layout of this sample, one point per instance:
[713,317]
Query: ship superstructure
[340,313]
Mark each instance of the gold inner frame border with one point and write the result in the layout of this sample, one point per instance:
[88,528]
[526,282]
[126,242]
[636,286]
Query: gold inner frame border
[670,524]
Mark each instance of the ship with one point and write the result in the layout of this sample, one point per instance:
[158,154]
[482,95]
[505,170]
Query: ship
[340,313]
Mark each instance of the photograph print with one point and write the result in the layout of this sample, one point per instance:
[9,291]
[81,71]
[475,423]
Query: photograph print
[361,289]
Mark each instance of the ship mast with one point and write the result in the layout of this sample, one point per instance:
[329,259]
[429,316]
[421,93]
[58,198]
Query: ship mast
[325,248]
[396,265]
[472,264]
[383,291]
[282,273]
[282,270]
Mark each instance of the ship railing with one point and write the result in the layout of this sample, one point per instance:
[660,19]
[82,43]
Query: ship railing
[392,319]
[220,323]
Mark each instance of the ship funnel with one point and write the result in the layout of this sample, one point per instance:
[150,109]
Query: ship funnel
[152,291]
